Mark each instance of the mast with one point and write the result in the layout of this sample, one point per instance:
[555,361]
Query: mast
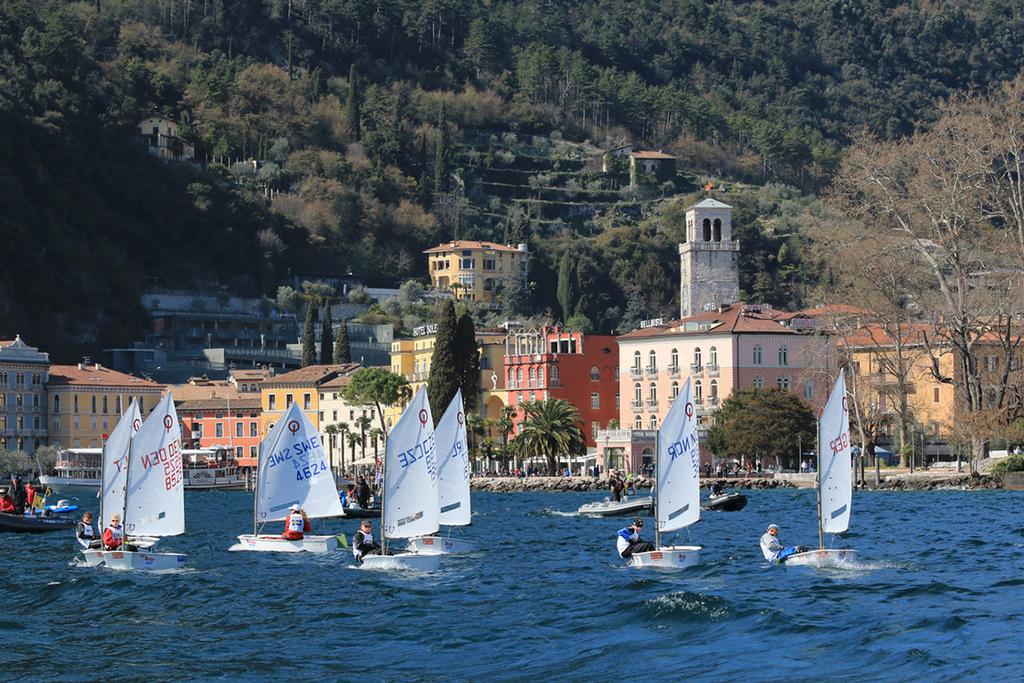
[256,488]
[103,481]
[127,484]
[383,507]
[657,471]
[817,486]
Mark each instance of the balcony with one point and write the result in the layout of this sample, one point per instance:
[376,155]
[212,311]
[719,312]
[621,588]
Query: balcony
[651,371]
[652,404]
[673,371]
[637,405]
[636,373]
[712,370]
[713,402]
[696,368]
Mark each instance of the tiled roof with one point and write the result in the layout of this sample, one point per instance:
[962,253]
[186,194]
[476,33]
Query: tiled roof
[709,203]
[312,374]
[219,404]
[97,376]
[730,319]
[650,155]
[204,390]
[251,374]
[469,244]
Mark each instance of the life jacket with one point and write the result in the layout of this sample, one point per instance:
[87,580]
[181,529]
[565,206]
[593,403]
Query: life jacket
[116,532]
[86,531]
[296,523]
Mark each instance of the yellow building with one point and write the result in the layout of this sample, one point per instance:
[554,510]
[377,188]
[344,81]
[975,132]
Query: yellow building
[86,401]
[411,359]
[477,271]
[303,385]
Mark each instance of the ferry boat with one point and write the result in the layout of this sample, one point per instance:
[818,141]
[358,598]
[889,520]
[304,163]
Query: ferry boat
[204,469]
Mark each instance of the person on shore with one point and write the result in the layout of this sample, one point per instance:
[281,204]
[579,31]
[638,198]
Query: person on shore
[86,534]
[774,550]
[629,541]
[363,543]
[296,524]
[6,502]
[113,535]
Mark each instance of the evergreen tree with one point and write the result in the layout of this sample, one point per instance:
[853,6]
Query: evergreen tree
[423,191]
[342,352]
[568,294]
[445,377]
[353,105]
[326,336]
[469,362]
[309,337]
[479,47]
[443,160]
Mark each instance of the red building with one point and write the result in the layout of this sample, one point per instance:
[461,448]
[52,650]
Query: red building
[550,362]
[229,423]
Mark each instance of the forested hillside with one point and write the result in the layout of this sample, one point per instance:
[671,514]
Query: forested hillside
[378,129]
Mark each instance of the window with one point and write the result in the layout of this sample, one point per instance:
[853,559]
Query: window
[490,264]
[718,230]
[595,400]
[674,363]
[653,422]
[594,426]
[616,400]
[636,360]
[758,382]
[197,427]
[104,405]
[56,404]
[638,422]
[540,377]
[74,402]
[713,357]
[220,429]
[991,363]
[713,390]
[253,429]
[652,392]
[935,395]
[321,416]
[307,402]
[239,429]
[466,264]
[533,378]
[783,383]
[595,373]
[706,225]
[92,402]
[519,377]
[757,355]
[252,451]
[675,389]
[783,356]
[652,361]
[511,378]
[698,392]
[637,393]
[117,404]
[273,402]
[808,390]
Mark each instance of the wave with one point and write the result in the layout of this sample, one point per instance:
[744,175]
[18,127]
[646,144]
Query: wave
[688,605]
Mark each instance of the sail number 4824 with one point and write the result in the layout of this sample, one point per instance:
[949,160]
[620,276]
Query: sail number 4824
[311,470]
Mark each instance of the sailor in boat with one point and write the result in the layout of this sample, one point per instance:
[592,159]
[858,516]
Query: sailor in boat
[363,543]
[717,489]
[774,550]
[86,534]
[113,535]
[363,493]
[17,494]
[296,524]
[6,502]
[629,542]
[615,487]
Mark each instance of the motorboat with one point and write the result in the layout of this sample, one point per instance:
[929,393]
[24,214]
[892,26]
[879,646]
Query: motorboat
[726,502]
[358,512]
[612,508]
[49,520]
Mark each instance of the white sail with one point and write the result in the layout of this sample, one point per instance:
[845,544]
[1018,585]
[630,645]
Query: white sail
[678,474]
[411,505]
[834,461]
[155,504]
[293,471]
[115,463]
[453,464]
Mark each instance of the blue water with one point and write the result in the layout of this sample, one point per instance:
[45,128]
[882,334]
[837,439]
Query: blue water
[938,593]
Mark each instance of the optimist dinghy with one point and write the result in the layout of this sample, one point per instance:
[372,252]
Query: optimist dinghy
[834,481]
[677,490]
[153,499]
[292,470]
[452,482]
[411,506]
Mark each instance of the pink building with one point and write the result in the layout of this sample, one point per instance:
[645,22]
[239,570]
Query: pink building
[735,346]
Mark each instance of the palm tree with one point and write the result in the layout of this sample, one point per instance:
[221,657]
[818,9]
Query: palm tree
[508,413]
[375,434]
[343,431]
[551,429]
[363,422]
[353,439]
[331,431]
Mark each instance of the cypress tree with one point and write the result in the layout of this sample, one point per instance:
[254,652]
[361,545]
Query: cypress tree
[326,336]
[445,378]
[423,192]
[353,105]
[469,361]
[342,352]
[308,338]
[443,160]
[567,294]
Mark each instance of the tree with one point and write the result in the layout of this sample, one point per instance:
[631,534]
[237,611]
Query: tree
[443,158]
[551,429]
[326,336]
[343,430]
[479,47]
[445,376]
[377,387]
[308,337]
[331,431]
[353,105]
[762,423]
[363,422]
[469,362]
[342,352]
[568,294]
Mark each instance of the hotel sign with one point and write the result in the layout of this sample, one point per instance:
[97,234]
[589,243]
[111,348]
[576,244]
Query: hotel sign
[653,322]
[424,330]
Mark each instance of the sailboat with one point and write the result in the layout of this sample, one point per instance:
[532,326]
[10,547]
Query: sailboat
[452,482]
[292,470]
[834,481]
[411,506]
[154,494]
[677,489]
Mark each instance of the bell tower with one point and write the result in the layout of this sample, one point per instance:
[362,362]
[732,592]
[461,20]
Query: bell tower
[709,259]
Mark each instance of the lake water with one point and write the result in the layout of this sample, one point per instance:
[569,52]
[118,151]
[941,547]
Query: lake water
[938,594]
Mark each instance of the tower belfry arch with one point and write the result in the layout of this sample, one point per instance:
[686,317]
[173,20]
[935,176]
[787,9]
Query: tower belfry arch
[709,259]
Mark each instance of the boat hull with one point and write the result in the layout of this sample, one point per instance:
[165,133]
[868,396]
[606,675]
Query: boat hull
[34,524]
[609,508]
[359,513]
[670,557]
[134,560]
[440,544]
[730,502]
[276,544]
[822,558]
[420,562]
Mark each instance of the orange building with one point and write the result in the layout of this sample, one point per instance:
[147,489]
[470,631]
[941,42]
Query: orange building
[550,362]
[229,423]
